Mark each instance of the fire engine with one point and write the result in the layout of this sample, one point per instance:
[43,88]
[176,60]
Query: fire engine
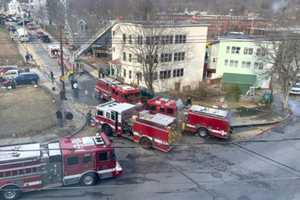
[110,89]
[207,121]
[30,167]
[162,105]
[156,131]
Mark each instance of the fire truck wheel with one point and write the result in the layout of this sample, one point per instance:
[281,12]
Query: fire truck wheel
[146,143]
[10,192]
[89,179]
[107,130]
[203,132]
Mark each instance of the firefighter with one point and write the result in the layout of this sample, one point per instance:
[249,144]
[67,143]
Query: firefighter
[88,117]
[75,89]
[59,117]
[189,101]
[52,77]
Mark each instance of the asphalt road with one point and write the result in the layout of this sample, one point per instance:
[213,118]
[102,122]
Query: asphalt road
[86,82]
[265,168]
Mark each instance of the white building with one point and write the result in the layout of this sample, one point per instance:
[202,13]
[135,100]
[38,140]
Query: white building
[14,8]
[180,56]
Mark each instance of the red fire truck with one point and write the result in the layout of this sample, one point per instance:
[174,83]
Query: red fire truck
[30,167]
[162,105]
[157,131]
[110,89]
[208,121]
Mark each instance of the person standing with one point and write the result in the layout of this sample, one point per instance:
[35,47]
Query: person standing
[52,77]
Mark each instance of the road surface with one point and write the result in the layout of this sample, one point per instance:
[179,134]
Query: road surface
[265,168]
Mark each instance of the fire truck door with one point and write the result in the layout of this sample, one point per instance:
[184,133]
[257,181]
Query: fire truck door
[104,162]
[115,119]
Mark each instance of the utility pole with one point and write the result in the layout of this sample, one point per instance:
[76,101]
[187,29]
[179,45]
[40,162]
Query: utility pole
[63,87]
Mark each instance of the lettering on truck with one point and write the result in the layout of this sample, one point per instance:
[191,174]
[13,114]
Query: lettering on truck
[30,167]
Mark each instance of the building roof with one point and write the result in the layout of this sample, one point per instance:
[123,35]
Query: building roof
[237,36]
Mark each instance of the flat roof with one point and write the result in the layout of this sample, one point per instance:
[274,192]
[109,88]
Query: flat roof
[209,111]
[118,107]
[157,118]
[19,152]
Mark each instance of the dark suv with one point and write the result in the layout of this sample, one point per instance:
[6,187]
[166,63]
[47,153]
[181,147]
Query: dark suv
[27,78]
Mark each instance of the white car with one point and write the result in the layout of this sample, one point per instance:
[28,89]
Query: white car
[295,89]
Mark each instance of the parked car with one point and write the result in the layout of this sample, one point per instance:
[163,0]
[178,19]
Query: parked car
[45,39]
[295,89]
[27,78]
[10,74]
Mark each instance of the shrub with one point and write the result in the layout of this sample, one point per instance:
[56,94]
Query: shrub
[232,92]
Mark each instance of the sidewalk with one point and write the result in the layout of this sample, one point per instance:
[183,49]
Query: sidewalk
[237,122]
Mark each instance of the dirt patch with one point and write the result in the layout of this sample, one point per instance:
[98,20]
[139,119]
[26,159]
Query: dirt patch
[9,53]
[26,111]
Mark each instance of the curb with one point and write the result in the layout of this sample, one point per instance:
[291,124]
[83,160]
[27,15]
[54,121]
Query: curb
[288,116]
[266,123]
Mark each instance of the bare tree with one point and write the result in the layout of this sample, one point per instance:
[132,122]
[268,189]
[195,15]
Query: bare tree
[147,41]
[282,52]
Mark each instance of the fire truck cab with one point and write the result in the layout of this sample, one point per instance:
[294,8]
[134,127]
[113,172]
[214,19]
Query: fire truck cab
[206,121]
[162,105]
[30,167]
[157,131]
[110,89]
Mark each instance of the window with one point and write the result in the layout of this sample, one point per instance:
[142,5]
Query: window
[130,74]
[179,56]
[124,73]
[261,66]
[243,64]
[166,57]
[256,65]
[140,40]
[113,116]
[124,38]
[87,159]
[248,51]
[129,57]
[231,63]
[108,115]
[139,59]
[228,49]
[100,112]
[260,52]
[165,74]
[15,173]
[226,62]
[178,72]
[248,64]
[236,63]
[130,39]
[103,156]
[214,60]
[235,50]
[72,160]
[152,59]
[180,39]
[166,39]
[124,56]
